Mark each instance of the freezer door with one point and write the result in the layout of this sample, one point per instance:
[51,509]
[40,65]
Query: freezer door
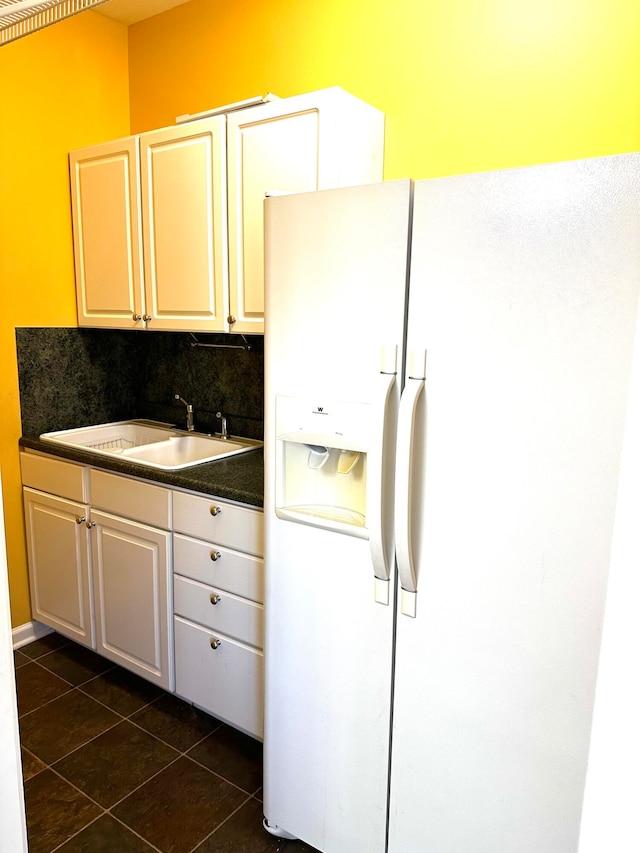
[523,292]
[336,275]
[328,652]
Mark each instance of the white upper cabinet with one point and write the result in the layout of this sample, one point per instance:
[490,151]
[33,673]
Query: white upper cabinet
[315,141]
[184,196]
[105,205]
[168,225]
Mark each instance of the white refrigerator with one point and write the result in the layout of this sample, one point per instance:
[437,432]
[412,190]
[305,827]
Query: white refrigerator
[447,369]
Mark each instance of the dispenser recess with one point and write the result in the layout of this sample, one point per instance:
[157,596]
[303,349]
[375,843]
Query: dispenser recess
[321,463]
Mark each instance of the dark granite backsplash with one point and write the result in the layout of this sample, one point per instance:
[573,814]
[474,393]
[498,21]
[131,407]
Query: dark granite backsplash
[73,377]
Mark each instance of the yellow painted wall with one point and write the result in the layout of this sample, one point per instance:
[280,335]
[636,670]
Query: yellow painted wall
[62,88]
[466,85]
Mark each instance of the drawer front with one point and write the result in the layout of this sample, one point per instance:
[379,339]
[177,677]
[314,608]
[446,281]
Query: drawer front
[220,567]
[215,609]
[216,521]
[131,498]
[227,681]
[54,476]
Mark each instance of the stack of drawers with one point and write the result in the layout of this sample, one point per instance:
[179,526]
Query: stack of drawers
[218,595]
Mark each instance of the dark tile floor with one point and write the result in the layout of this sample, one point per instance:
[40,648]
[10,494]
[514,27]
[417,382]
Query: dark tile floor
[112,763]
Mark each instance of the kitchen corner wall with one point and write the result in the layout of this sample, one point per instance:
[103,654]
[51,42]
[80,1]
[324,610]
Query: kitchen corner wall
[464,87]
[77,377]
[64,87]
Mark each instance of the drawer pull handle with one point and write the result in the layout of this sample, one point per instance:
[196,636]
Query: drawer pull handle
[214,599]
[215,555]
[80,520]
[215,510]
[215,643]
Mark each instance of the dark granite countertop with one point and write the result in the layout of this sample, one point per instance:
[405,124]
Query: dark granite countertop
[237,478]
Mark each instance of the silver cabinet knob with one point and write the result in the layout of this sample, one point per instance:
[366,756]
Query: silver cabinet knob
[80,520]
[215,510]
[137,317]
[215,643]
[90,524]
[214,599]
[215,555]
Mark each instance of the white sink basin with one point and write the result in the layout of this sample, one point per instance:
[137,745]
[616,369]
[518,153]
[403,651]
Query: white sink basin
[178,451]
[151,445]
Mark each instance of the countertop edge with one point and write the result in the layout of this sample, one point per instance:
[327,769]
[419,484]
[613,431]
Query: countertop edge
[236,478]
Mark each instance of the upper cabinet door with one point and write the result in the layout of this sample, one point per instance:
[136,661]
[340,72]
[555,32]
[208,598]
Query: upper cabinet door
[183,179]
[106,234]
[300,144]
[268,151]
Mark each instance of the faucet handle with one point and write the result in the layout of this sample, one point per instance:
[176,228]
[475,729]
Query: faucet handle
[223,425]
[183,401]
[189,407]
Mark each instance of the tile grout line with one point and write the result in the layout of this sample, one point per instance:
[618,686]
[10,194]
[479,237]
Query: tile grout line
[179,754]
[50,765]
[220,776]
[128,717]
[80,688]
[49,701]
[137,834]
[91,678]
[222,823]
[72,686]
[105,810]
[227,819]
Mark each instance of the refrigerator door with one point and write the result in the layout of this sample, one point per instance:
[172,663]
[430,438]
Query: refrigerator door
[524,287]
[336,279]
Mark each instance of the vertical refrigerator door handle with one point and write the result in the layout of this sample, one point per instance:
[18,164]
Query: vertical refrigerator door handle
[379,483]
[411,395]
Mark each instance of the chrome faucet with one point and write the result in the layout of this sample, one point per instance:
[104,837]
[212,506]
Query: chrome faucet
[189,411]
[223,425]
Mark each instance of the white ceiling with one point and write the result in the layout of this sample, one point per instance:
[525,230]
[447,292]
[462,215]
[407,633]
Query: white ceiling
[131,11]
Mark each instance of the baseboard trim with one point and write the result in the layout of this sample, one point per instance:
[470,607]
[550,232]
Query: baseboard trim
[29,632]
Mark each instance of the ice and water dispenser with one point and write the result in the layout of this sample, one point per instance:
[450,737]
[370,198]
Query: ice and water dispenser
[321,463]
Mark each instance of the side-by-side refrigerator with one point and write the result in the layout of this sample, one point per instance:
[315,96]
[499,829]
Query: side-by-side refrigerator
[447,369]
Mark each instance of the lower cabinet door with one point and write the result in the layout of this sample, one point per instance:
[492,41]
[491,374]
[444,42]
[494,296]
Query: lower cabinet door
[131,570]
[220,675]
[58,555]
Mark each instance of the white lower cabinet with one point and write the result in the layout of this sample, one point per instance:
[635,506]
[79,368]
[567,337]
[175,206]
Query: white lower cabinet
[218,593]
[107,570]
[58,558]
[131,570]
[220,675]
[56,510]
[219,610]
[131,566]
